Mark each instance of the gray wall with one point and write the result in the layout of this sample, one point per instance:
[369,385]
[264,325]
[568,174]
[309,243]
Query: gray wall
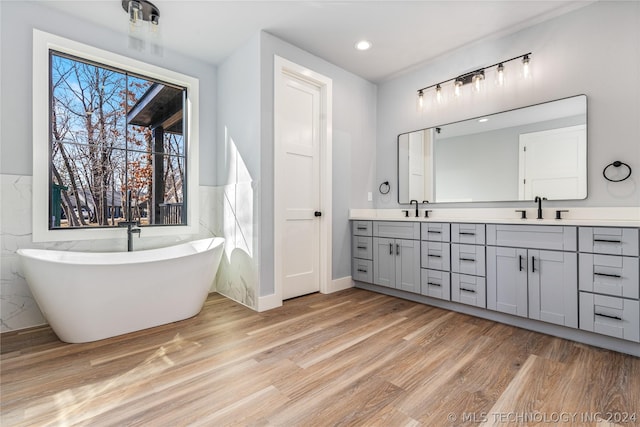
[592,51]
[18,19]
[245,108]
[354,117]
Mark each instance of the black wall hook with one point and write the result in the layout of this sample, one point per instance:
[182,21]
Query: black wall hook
[382,188]
[616,164]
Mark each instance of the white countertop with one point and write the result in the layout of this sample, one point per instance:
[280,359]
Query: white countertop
[599,217]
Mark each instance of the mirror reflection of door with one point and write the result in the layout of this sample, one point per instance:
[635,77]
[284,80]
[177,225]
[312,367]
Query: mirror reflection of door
[415,153]
[553,163]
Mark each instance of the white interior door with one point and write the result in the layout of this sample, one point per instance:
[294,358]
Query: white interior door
[299,167]
[553,164]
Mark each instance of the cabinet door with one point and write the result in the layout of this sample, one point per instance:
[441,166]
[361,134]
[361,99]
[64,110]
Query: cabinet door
[384,262]
[408,265]
[507,280]
[553,287]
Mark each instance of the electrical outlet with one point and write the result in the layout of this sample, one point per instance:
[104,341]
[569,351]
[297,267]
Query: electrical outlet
[369,196]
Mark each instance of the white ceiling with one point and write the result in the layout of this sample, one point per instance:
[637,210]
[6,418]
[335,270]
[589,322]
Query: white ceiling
[403,33]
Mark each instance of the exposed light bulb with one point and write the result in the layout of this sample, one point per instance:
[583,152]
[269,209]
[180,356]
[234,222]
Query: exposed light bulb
[477,80]
[439,94]
[135,15]
[500,76]
[526,68]
[420,100]
[457,87]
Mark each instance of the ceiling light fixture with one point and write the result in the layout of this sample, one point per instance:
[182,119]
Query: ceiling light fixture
[141,11]
[363,45]
[477,78]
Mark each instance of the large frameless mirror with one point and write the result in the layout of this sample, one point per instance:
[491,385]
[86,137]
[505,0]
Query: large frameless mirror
[539,150]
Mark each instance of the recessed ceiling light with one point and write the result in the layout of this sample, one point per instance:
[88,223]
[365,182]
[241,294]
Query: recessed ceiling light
[482,120]
[363,45]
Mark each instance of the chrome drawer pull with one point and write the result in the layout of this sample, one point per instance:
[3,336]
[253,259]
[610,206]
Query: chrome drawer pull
[434,284]
[608,316]
[467,233]
[362,270]
[468,259]
[434,256]
[362,247]
[362,228]
[607,241]
[434,231]
[607,275]
[468,290]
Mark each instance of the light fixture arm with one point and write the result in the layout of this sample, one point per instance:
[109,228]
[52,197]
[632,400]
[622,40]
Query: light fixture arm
[468,77]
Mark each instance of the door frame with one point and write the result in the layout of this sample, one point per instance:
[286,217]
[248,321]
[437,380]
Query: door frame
[284,67]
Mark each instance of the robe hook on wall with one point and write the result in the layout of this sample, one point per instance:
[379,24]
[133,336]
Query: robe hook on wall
[616,164]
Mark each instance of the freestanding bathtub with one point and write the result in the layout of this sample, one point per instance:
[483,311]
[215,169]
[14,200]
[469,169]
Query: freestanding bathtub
[89,296]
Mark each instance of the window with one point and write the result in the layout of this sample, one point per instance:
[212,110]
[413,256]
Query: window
[107,130]
[116,145]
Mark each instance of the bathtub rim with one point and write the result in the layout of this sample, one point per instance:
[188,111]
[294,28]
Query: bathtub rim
[87,258]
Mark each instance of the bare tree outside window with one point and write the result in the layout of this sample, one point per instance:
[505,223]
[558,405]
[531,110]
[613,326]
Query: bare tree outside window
[111,131]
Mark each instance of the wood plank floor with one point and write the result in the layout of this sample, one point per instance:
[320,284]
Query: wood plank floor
[349,358]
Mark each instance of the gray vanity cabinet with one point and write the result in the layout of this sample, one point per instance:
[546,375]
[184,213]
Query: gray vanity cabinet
[507,280]
[435,273]
[396,255]
[609,285]
[396,263]
[539,280]
[362,251]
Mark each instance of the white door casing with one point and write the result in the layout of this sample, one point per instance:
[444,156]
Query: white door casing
[302,180]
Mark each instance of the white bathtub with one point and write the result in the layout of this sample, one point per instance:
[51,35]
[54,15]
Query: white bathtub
[90,296]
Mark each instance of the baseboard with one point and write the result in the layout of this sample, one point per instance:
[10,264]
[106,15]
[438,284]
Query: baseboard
[339,285]
[268,302]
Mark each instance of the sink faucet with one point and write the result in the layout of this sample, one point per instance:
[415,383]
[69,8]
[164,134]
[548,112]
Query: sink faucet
[539,200]
[417,213]
[132,226]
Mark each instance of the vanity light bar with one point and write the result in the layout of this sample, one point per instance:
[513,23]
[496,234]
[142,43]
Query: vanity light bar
[475,77]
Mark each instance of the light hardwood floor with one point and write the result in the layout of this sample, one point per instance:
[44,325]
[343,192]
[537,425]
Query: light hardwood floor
[349,358]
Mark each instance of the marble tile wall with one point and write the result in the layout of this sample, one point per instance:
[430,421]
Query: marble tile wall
[235,219]
[18,309]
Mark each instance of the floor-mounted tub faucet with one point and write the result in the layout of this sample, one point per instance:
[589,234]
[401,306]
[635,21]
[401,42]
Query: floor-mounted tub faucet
[132,226]
[539,200]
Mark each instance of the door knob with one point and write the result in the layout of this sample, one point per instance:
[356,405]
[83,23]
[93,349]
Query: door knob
[317,213]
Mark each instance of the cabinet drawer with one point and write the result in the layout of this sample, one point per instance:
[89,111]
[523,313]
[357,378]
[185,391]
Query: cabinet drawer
[609,240]
[436,284]
[362,228]
[610,275]
[532,236]
[472,234]
[436,256]
[435,231]
[468,259]
[469,290]
[397,230]
[617,317]
[362,247]
[362,270]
